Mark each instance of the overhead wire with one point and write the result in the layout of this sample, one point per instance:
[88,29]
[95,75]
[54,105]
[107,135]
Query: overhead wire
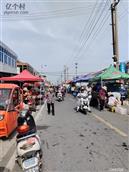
[105,18]
[91,23]
[92,28]
[98,30]
[82,35]
[120,17]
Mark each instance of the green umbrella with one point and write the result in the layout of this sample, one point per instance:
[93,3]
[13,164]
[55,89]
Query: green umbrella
[111,74]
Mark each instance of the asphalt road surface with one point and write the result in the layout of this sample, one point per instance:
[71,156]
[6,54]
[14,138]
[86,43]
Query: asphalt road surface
[74,142]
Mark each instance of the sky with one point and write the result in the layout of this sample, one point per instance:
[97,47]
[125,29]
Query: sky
[55,33]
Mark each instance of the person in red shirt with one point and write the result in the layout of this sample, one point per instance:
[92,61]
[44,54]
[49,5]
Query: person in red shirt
[102,97]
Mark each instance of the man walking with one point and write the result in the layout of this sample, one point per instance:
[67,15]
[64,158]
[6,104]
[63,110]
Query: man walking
[50,100]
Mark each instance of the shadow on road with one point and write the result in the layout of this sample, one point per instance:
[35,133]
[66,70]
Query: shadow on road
[3,169]
[40,127]
[10,137]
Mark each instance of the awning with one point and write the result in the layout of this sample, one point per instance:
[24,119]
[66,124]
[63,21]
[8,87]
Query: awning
[25,75]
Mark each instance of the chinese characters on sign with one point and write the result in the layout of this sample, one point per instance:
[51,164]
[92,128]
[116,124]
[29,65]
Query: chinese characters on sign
[15,8]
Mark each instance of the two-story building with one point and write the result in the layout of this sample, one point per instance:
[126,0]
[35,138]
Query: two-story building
[8,59]
[23,65]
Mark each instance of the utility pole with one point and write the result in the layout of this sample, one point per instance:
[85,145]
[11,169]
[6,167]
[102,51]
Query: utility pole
[64,73]
[61,78]
[67,73]
[76,67]
[115,33]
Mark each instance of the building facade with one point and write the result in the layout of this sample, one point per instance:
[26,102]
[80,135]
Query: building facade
[8,60]
[23,65]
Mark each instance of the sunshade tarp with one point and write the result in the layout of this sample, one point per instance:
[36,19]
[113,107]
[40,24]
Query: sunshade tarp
[88,77]
[84,78]
[25,75]
[76,79]
[111,73]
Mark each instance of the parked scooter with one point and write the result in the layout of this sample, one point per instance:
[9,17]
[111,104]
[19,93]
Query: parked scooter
[29,153]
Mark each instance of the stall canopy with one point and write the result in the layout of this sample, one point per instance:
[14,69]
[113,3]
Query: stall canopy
[111,73]
[88,77]
[83,78]
[25,75]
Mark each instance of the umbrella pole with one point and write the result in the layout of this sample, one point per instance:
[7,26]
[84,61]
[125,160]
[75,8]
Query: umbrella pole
[101,82]
[40,95]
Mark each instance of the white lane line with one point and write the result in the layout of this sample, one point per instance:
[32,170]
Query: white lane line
[39,113]
[11,162]
[110,126]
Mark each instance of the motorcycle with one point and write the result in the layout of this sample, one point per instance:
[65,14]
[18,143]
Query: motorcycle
[28,150]
[84,104]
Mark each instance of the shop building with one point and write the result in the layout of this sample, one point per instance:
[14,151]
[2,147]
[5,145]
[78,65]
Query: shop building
[8,59]
[23,65]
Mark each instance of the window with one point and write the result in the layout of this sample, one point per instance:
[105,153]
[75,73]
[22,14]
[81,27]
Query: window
[16,97]
[12,62]
[4,98]
[9,61]
[5,59]
[0,56]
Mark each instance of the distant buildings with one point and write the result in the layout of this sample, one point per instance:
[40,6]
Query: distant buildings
[9,63]
[23,65]
[8,60]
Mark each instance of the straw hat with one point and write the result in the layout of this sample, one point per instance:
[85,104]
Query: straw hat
[105,88]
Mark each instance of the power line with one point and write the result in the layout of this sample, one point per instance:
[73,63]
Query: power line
[98,31]
[91,27]
[84,29]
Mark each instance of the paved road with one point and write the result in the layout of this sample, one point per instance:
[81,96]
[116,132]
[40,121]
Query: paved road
[73,142]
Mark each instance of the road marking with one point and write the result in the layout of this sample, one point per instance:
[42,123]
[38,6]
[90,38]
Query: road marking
[39,112]
[11,163]
[110,126]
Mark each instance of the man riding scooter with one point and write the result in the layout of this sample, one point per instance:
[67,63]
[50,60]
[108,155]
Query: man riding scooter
[83,101]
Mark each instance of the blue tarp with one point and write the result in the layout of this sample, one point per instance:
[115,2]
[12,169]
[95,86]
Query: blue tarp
[87,77]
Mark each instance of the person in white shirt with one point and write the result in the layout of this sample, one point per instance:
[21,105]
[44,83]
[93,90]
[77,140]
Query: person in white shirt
[112,101]
[83,93]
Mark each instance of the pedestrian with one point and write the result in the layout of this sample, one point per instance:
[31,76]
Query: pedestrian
[102,97]
[112,102]
[94,98]
[50,100]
